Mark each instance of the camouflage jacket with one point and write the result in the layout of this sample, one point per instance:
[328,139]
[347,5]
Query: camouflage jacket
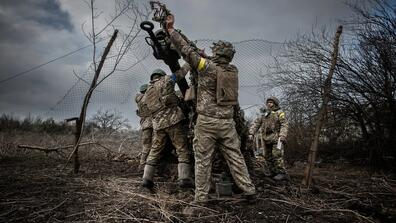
[207,79]
[145,118]
[170,113]
[273,125]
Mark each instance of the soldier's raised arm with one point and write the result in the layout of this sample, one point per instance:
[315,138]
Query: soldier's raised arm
[189,53]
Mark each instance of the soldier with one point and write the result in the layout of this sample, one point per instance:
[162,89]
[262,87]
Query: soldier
[167,116]
[146,125]
[274,127]
[217,93]
[220,165]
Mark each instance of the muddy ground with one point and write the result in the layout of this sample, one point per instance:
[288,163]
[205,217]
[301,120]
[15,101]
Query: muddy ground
[36,188]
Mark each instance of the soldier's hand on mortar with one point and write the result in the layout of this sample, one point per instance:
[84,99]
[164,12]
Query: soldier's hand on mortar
[170,21]
[251,137]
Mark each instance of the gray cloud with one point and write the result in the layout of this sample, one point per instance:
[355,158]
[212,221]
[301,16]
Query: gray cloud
[18,19]
[275,20]
[35,31]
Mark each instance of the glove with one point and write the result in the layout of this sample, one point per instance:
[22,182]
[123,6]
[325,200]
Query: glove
[173,78]
[169,22]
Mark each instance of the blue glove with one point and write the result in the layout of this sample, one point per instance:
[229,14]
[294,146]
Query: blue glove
[173,77]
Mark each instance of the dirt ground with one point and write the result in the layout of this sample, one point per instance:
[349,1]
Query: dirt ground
[36,188]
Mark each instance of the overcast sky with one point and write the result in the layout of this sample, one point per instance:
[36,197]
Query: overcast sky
[35,31]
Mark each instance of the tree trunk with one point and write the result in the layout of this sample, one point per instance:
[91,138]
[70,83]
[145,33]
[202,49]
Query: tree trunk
[322,113]
[81,120]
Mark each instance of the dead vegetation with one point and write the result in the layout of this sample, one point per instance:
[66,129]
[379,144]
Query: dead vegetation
[35,188]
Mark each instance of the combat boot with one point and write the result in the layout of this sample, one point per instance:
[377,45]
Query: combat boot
[184,172]
[148,176]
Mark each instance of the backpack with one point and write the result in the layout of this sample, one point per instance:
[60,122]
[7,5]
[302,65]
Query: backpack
[153,99]
[227,85]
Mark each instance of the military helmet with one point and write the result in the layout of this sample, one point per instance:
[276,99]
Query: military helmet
[274,99]
[224,49]
[157,72]
[143,88]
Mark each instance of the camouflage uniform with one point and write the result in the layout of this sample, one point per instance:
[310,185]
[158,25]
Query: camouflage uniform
[219,163]
[167,122]
[246,145]
[146,126]
[274,125]
[215,125]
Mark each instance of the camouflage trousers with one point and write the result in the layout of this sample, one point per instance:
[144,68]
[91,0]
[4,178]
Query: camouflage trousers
[209,134]
[274,159]
[145,137]
[178,137]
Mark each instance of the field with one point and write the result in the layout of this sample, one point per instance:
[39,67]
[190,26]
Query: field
[36,187]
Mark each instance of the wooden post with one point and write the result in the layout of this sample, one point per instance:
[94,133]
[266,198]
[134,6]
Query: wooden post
[81,120]
[307,181]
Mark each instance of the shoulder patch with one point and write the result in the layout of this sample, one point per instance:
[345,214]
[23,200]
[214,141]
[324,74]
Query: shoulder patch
[281,115]
[201,64]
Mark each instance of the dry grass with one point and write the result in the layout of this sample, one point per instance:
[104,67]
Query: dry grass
[33,188]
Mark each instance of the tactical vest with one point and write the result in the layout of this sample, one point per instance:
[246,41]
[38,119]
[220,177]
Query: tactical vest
[143,110]
[227,85]
[152,99]
[271,122]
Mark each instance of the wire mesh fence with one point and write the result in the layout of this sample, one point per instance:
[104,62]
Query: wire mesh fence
[117,92]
